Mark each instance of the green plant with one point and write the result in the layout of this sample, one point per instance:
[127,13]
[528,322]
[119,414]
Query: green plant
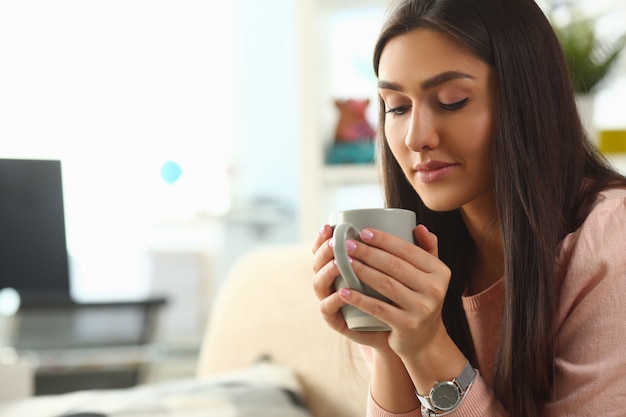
[588,58]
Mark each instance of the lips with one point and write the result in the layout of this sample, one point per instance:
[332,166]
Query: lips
[433,171]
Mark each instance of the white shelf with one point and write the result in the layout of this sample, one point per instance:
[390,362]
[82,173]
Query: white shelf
[325,188]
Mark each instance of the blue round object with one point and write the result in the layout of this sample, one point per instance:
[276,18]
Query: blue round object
[171,172]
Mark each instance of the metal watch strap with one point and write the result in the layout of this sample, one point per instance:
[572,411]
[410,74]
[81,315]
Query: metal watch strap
[467,377]
[463,381]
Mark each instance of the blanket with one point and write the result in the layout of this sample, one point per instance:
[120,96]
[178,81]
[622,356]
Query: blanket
[262,390]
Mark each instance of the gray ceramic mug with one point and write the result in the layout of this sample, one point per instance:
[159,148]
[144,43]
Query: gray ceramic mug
[348,225]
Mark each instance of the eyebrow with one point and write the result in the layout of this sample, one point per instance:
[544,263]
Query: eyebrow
[431,82]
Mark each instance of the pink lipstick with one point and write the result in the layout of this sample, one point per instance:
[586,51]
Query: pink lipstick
[433,171]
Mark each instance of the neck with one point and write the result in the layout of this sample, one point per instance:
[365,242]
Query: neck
[481,221]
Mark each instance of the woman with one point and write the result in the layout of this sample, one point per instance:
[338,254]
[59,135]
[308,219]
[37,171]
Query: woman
[511,302]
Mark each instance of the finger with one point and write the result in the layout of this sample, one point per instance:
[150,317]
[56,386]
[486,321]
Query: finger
[411,272]
[379,309]
[323,252]
[335,320]
[426,240]
[323,280]
[331,306]
[403,285]
[395,315]
[390,247]
[324,233]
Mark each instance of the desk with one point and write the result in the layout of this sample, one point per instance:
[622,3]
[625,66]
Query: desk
[77,345]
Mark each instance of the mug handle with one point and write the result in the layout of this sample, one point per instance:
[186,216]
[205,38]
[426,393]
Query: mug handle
[343,232]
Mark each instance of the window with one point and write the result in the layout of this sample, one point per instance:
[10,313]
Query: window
[115,89]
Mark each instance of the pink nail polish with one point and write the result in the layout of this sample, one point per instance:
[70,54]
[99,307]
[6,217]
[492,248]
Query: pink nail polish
[350,246]
[367,234]
[349,260]
[344,292]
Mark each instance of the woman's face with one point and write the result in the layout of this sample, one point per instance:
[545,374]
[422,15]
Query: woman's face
[439,105]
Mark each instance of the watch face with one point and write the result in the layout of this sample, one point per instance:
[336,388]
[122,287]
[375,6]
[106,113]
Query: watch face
[445,396]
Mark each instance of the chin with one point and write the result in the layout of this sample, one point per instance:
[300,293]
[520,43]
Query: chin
[440,201]
[439,206]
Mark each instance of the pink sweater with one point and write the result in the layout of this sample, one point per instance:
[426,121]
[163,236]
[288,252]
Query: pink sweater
[591,327]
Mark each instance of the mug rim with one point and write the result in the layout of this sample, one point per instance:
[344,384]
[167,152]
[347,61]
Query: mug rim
[337,216]
[366,209]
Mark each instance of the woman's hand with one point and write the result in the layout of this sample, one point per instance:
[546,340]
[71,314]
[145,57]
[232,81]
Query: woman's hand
[330,302]
[416,281]
[411,276]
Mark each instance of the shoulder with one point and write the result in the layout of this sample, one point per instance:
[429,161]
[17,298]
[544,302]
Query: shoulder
[606,218]
[595,253]
[611,199]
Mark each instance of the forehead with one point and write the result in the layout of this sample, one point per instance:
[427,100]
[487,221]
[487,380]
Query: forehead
[422,53]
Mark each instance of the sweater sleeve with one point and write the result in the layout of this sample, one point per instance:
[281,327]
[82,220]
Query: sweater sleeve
[374,410]
[479,401]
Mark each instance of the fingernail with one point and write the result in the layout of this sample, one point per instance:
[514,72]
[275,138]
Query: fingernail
[349,260]
[331,243]
[322,231]
[426,228]
[350,246]
[344,292]
[367,234]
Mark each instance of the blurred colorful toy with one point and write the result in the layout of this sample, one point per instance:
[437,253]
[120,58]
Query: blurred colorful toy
[354,135]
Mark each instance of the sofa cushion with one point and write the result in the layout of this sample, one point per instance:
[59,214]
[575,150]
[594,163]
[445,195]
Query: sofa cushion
[267,306]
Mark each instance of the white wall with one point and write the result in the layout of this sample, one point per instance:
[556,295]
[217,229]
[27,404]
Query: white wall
[115,89]
[266,107]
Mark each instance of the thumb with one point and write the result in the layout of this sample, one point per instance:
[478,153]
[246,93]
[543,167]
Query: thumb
[426,240]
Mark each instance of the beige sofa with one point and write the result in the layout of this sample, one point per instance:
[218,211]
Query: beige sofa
[267,307]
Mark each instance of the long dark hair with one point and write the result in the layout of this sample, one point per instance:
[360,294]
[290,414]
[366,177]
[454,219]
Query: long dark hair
[547,175]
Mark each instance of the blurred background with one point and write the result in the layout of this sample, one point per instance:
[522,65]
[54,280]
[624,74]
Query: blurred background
[190,132]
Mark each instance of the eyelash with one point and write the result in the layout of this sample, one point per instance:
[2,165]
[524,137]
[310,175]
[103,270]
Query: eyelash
[451,107]
[397,111]
[454,106]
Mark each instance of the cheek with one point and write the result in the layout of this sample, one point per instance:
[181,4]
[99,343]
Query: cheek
[400,152]
[477,133]
[395,134]
[479,157]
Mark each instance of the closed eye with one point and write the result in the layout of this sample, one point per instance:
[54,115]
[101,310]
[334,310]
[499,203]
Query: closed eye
[400,110]
[454,106]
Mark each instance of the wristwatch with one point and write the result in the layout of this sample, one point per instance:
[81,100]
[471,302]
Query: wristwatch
[445,397]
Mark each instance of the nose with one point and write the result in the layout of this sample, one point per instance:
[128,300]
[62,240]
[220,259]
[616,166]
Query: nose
[421,134]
